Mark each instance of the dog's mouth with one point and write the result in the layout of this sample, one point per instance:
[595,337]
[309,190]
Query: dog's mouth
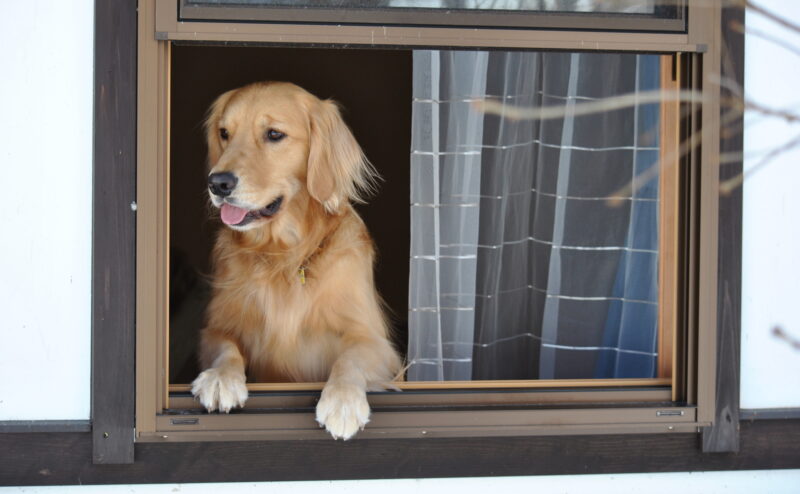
[235,216]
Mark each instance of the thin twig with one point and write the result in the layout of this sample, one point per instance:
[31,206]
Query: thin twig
[731,122]
[600,106]
[779,333]
[668,161]
[739,27]
[771,112]
[727,186]
[731,158]
[773,17]
[663,164]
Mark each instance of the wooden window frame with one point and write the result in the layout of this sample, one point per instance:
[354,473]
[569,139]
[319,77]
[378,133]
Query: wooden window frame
[660,386]
[64,457]
[161,419]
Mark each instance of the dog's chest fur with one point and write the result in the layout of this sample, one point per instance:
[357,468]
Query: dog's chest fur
[285,341]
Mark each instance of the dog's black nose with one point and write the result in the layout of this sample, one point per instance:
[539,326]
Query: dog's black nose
[222,184]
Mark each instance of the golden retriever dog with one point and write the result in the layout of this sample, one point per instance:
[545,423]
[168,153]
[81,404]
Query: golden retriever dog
[294,297]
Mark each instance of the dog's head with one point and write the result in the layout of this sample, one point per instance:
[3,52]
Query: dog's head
[273,143]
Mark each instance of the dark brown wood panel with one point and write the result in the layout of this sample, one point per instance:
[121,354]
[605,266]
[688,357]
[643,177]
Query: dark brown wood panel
[17,426]
[724,435]
[114,235]
[62,459]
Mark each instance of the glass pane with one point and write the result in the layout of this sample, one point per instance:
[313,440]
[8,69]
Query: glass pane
[634,15]
[614,6]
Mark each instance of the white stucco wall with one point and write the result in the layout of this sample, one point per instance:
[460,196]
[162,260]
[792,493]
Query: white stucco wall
[46,190]
[45,155]
[771,266]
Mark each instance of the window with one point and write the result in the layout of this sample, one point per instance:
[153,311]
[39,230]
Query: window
[674,394]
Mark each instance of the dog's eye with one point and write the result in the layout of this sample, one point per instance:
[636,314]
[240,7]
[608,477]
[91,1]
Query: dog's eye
[223,134]
[274,135]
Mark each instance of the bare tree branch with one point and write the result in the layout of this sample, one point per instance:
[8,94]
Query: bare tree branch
[579,109]
[727,186]
[739,27]
[771,112]
[779,333]
[771,16]
[665,163]
[737,104]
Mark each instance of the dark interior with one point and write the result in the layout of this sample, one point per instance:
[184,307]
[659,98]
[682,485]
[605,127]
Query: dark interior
[374,90]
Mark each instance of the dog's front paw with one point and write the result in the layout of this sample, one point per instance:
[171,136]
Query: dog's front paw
[343,410]
[220,389]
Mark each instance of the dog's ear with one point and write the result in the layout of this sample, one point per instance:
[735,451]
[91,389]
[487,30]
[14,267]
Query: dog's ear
[338,171]
[212,126]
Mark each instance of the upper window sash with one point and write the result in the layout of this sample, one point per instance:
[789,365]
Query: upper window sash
[180,20]
[606,15]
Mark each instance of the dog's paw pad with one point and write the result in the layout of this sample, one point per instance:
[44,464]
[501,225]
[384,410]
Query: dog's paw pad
[220,389]
[343,410]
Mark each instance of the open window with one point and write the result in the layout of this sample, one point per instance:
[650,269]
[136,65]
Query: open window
[547,274]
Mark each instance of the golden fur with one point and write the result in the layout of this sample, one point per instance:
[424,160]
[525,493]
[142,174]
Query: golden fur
[263,318]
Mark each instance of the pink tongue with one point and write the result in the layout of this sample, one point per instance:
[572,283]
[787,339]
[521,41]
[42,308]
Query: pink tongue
[231,215]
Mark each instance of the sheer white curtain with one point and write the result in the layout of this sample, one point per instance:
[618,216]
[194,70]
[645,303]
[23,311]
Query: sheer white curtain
[446,178]
[519,268]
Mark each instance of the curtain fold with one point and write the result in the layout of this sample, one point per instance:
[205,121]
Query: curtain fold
[520,268]
[445,175]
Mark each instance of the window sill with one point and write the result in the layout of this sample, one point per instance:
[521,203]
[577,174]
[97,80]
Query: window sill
[66,458]
[443,422]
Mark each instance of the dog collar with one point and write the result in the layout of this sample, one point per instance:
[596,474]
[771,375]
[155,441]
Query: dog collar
[301,271]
